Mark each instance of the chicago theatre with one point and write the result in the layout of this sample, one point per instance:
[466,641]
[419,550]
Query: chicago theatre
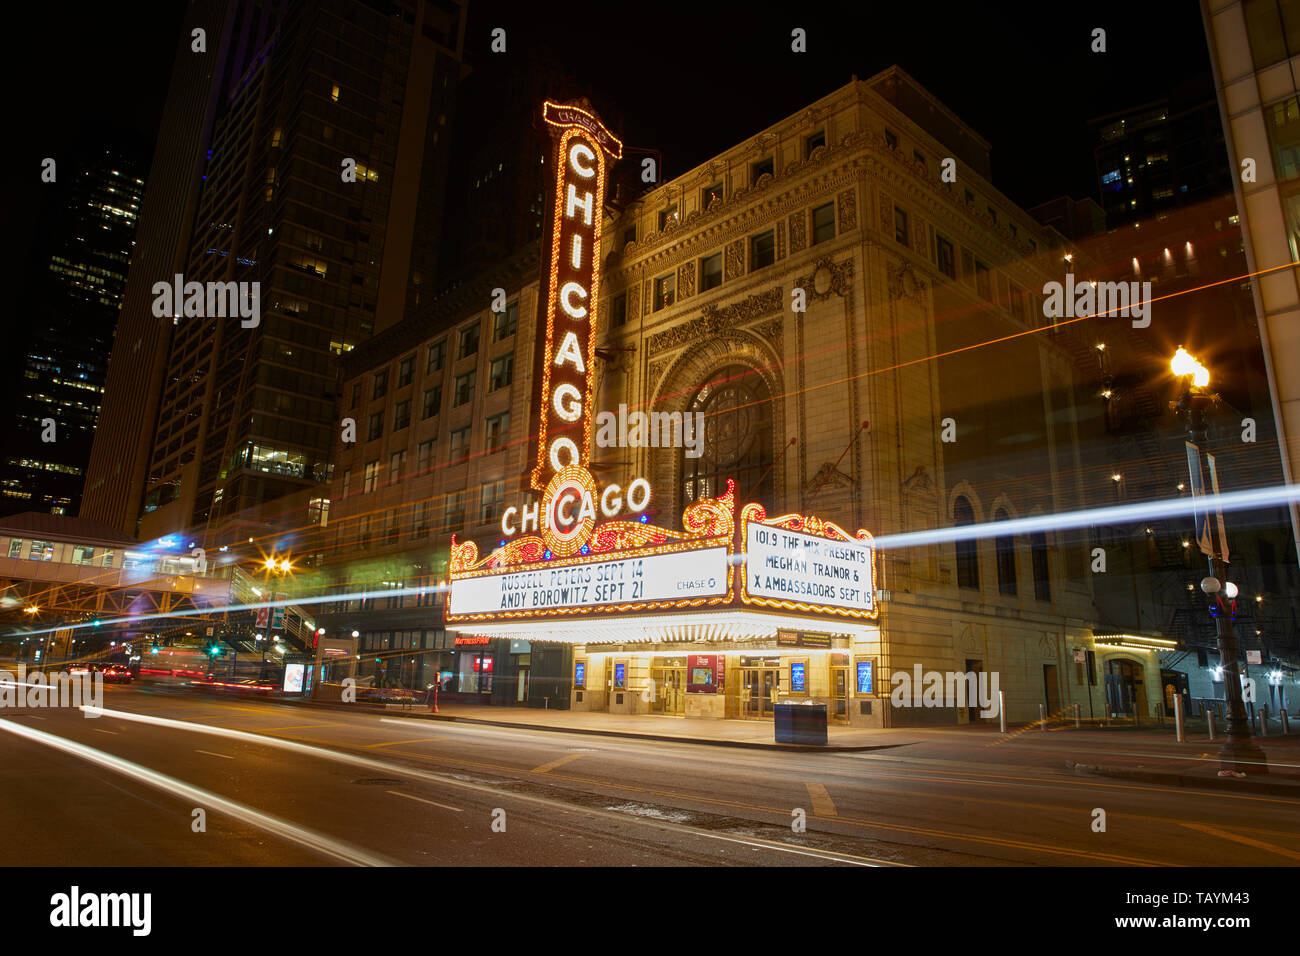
[811,296]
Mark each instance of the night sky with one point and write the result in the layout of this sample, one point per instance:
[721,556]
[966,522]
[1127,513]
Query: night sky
[690,79]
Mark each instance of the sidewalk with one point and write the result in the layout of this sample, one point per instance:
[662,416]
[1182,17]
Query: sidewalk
[1155,757]
[758,734]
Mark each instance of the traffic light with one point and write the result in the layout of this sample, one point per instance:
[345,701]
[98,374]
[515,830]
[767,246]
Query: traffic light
[215,651]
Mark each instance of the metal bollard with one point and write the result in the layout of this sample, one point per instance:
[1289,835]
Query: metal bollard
[1002,710]
[1178,717]
[1286,726]
[1078,714]
[1209,721]
[1263,721]
[1042,716]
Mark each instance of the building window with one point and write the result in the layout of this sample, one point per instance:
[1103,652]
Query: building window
[762,250]
[395,463]
[709,195]
[667,217]
[424,456]
[711,272]
[380,388]
[81,554]
[983,281]
[468,341]
[15,547]
[454,515]
[629,235]
[947,260]
[356,394]
[372,476]
[1005,546]
[347,481]
[41,551]
[506,322]
[401,415]
[968,557]
[432,401]
[405,371]
[502,372]
[967,267]
[1042,572]
[918,156]
[764,167]
[464,389]
[459,444]
[891,139]
[737,405]
[494,495]
[498,430]
[437,352]
[376,426]
[900,225]
[969,197]
[665,291]
[993,214]
[823,223]
[813,142]
[619,310]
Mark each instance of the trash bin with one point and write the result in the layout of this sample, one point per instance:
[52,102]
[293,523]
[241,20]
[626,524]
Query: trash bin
[800,723]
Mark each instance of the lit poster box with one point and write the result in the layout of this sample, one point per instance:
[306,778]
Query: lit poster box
[293,678]
[866,678]
[580,675]
[705,673]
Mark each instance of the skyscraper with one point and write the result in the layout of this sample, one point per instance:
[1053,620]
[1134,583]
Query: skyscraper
[70,308]
[324,155]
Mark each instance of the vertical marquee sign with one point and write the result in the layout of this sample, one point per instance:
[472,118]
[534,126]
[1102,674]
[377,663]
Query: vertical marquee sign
[570,287]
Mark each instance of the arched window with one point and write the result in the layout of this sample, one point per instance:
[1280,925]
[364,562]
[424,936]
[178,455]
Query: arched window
[1042,572]
[736,406]
[968,555]
[1006,551]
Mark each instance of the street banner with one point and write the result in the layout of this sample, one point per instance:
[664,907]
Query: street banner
[1204,537]
[1223,531]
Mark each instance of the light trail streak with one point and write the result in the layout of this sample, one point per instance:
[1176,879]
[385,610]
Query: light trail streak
[206,799]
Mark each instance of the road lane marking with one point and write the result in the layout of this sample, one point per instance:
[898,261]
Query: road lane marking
[409,740]
[422,800]
[263,730]
[197,796]
[113,732]
[1237,838]
[558,762]
[823,805]
[211,754]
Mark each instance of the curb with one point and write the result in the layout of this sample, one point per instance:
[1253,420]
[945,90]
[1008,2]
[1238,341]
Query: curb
[703,741]
[1239,784]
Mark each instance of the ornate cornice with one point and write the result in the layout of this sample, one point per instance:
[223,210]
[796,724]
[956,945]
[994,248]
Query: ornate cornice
[714,319]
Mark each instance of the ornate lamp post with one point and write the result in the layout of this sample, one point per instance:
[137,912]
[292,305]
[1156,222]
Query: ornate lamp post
[1239,752]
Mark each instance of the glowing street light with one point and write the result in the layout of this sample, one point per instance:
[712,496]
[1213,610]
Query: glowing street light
[1184,364]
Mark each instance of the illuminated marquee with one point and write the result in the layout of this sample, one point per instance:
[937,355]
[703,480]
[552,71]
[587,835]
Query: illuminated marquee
[572,288]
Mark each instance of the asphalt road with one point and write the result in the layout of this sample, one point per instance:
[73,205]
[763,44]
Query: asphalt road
[279,784]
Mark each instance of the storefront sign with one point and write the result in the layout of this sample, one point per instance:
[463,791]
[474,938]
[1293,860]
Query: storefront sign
[788,567]
[802,639]
[594,585]
[461,641]
[798,677]
[571,288]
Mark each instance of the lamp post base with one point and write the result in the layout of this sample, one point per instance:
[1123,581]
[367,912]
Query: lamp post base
[1242,756]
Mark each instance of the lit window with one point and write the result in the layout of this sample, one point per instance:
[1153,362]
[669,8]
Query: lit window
[334,93]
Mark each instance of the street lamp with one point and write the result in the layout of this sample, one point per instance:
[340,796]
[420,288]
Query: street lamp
[1239,752]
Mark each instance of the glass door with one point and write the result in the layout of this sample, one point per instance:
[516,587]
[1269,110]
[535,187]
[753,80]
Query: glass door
[839,710]
[758,689]
[669,676]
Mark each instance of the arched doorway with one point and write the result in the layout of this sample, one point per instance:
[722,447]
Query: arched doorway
[1126,694]
[737,407]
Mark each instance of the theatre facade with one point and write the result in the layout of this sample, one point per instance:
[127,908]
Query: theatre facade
[811,296]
